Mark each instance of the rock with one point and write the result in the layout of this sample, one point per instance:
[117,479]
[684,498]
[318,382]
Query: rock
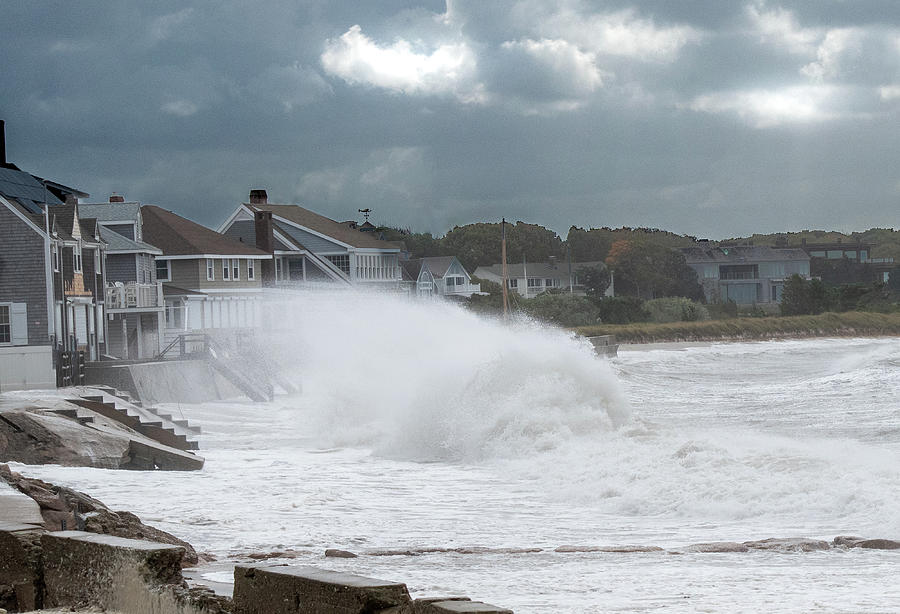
[37,438]
[717,547]
[789,544]
[860,542]
[339,554]
[69,509]
[621,549]
[846,540]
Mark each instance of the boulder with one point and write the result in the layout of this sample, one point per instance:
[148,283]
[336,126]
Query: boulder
[789,544]
[63,508]
[717,547]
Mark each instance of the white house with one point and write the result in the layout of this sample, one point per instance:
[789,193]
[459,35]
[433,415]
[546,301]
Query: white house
[439,276]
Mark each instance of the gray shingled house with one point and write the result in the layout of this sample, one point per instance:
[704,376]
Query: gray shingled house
[310,248]
[51,279]
[532,278]
[211,283]
[134,297]
[438,276]
[745,274]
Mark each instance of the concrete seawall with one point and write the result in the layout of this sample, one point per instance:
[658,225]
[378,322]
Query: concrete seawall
[75,569]
[171,381]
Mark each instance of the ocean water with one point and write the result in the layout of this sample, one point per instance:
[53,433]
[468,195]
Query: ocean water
[423,429]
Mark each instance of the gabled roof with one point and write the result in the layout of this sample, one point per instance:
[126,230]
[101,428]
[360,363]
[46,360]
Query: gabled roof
[121,244]
[436,265]
[178,236]
[546,270]
[325,226]
[742,254]
[26,189]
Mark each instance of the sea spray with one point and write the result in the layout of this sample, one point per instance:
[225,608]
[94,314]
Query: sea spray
[428,380]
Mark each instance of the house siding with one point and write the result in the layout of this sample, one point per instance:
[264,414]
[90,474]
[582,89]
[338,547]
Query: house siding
[185,273]
[121,267]
[220,283]
[244,231]
[22,273]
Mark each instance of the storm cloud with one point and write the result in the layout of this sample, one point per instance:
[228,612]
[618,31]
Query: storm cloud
[710,118]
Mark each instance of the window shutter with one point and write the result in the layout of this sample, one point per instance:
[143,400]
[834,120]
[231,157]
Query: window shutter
[18,320]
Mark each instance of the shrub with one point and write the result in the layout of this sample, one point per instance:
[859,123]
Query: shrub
[622,310]
[562,309]
[675,309]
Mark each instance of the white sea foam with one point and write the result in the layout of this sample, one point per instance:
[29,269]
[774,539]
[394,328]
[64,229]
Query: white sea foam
[424,426]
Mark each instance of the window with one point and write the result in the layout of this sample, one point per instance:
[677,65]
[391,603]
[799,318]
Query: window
[226,272]
[97,270]
[341,261]
[235,269]
[513,283]
[54,257]
[76,258]
[251,274]
[163,270]
[279,275]
[5,327]
[548,283]
[534,283]
[210,270]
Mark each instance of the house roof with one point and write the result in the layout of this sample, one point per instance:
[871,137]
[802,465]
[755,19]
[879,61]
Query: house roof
[111,212]
[742,253]
[437,265]
[326,226]
[26,189]
[178,236]
[545,270]
[121,243]
[170,290]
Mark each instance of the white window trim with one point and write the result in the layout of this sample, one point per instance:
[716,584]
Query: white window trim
[168,276]
[226,269]
[210,269]
[251,272]
[76,258]
[54,256]
[235,269]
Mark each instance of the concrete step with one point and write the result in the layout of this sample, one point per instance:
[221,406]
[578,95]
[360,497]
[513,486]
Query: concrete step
[140,419]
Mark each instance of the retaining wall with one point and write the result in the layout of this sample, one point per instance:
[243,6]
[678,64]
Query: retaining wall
[75,569]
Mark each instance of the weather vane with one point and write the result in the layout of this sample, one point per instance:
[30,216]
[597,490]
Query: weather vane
[365,212]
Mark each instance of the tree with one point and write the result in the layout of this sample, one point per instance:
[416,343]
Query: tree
[479,244]
[648,270]
[595,280]
[802,297]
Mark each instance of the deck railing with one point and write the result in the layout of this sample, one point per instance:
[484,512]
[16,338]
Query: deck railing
[133,295]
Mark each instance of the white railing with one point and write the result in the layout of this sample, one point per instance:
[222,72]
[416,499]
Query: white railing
[132,295]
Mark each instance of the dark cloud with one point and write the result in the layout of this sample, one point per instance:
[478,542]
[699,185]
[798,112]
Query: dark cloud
[706,117]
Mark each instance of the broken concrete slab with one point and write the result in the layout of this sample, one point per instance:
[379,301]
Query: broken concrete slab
[16,507]
[288,590]
[459,606]
[20,566]
[87,569]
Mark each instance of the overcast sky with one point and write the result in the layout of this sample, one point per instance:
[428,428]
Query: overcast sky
[709,117]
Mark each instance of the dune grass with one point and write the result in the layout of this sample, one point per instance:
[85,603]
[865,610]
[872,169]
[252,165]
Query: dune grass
[846,324]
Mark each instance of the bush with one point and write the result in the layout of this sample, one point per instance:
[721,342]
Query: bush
[562,309]
[622,310]
[675,309]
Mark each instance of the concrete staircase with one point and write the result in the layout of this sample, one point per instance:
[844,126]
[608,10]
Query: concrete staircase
[154,424]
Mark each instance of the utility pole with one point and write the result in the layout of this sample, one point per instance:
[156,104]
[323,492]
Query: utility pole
[505,269]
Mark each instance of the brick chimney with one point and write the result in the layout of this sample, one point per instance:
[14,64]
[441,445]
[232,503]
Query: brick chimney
[265,240]
[116,198]
[258,197]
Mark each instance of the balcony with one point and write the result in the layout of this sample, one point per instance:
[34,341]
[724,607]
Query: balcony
[133,295]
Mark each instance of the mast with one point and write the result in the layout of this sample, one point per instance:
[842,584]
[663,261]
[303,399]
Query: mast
[505,273]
